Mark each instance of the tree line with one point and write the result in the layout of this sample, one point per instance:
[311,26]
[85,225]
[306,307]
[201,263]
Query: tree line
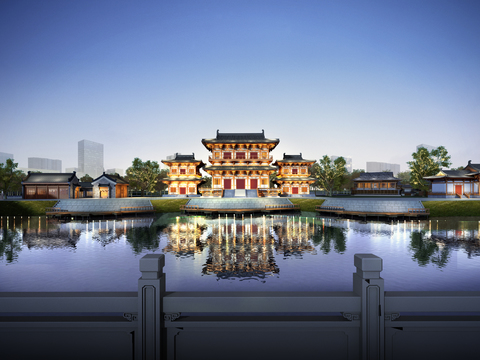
[146,176]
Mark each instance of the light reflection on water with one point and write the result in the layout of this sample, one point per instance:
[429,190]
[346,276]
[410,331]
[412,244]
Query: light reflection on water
[303,253]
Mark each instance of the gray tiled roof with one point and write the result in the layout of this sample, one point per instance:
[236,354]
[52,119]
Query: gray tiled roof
[379,176]
[241,138]
[115,178]
[474,166]
[179,158]
[293,158]
[49,178]
[451,173]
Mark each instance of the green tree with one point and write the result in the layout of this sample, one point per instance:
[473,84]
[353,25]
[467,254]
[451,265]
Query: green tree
[10,179]
[404,177]
[143,176]
[86,178]
[161,185]
[427,163]
[348,178]
[207,182]
[329,174]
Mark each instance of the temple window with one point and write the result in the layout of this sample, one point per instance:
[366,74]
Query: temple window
[368,185]
[304,171]
[191,171]
[264,181]
[174,171]
[217,181]
[253,155]
[240,155]
[304,189]
[191,190]
[227,155]
[294,171]
[182,171]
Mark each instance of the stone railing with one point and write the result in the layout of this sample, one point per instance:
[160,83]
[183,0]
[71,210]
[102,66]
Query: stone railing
[151,323]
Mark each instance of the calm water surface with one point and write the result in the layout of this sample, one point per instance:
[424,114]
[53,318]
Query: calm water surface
[274,253]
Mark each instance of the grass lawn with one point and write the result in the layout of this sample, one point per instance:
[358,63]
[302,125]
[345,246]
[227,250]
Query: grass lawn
[25,208]
[307,204]
[171,205]
[452,208]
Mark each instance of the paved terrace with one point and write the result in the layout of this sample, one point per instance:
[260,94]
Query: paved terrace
[399,205]
[238,204]
[92,206]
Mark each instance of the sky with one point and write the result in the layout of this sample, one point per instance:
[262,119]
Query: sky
[366,79]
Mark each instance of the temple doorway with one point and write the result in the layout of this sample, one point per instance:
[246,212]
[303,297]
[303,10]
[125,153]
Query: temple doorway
[240,183]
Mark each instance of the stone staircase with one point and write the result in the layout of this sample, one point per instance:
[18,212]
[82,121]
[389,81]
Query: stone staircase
[91,206]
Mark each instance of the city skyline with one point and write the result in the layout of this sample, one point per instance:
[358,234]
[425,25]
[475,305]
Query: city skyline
[371,79]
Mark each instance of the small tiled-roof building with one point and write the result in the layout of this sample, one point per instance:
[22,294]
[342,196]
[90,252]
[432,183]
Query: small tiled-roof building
[455,183]
[184,175]
[376,183]
[293,175]
[50,186]
[109,186]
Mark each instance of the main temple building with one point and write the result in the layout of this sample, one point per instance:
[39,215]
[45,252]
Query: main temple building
[242,161]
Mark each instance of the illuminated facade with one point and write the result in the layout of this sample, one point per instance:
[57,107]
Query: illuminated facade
[376,183]
[184,174]
[108,186]
[294,175]
[240,160]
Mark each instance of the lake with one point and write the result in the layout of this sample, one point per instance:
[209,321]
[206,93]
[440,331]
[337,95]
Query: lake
[251,253]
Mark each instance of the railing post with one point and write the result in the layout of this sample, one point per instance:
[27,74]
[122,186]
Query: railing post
[151,288]
[368,284]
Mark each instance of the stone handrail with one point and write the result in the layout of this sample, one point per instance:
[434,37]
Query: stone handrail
[282,206]
[136,208]
[419,211]
[330,208]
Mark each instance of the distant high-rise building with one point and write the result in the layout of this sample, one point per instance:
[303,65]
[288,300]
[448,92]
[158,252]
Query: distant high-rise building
[45,164]
[4,157]
[373,166]
[348,162]
[90,158]
[428,147]
[114,171]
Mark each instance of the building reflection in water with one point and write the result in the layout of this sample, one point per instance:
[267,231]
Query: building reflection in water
[40,232]
[241,246]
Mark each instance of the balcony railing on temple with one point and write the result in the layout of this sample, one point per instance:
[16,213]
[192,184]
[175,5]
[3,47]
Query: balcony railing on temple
[264,192]
[209,192]
[240,158]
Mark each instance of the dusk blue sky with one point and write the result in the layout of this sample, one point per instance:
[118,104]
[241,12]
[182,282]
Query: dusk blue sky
[366,79]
